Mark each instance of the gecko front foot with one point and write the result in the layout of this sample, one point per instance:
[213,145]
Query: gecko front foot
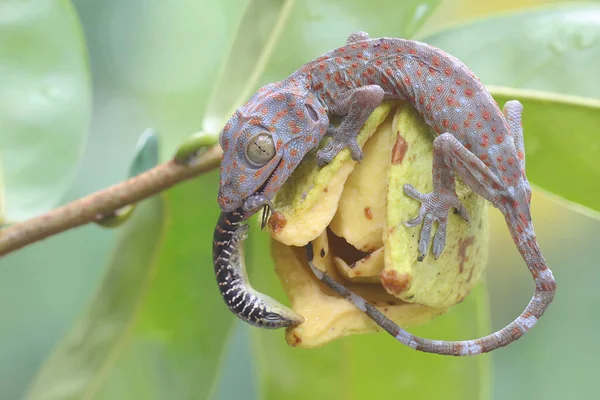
[339,141]
[434,207]
[354,106]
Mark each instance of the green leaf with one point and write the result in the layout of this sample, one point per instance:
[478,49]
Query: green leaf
[80,363]
[146,153]
[145,158]
[555,49]
[561,143]
[44,103]
[258,31]
[157,326]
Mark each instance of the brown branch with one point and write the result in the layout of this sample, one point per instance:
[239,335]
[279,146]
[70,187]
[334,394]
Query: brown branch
[106,201]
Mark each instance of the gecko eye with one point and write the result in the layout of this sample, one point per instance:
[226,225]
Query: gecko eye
[260,150]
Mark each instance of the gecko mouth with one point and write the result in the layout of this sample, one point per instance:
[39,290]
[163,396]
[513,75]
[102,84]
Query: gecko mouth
[269,178]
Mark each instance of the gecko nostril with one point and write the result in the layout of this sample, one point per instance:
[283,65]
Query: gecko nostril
[311,111]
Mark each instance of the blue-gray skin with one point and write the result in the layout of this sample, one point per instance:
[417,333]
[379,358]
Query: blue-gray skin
[268,136]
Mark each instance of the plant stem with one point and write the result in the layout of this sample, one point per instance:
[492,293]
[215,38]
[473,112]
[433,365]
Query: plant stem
[106,201]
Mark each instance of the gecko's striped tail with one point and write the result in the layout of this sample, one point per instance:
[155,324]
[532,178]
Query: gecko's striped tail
[544,293]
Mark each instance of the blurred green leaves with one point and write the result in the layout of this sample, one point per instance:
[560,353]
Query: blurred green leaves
[82,361]
[145,157]
[44,103]
[257,33]
[561,143]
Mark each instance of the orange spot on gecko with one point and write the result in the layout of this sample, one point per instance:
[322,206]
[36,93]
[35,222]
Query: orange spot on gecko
[293,152]
[520,155]
[479,124]
[445,123]
[485,140]
[407,80]
[511,161]
[454,127]
[448,71]
[467,123]
[436,61]
[469,93]
[523,219]
[278,116]
[338,78]
[294,128]
[499,139]
[378,62]
[255,121]
[439,89]
[486,115]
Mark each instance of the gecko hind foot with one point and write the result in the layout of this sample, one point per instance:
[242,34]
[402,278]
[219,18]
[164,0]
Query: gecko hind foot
[337,143]
[434,207]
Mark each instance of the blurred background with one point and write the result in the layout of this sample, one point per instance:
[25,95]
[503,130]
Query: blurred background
[154,64]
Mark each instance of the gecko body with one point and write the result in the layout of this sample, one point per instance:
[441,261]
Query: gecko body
[267,138]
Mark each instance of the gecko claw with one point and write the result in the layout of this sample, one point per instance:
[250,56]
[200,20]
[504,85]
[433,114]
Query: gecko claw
[338,143]
[434,208]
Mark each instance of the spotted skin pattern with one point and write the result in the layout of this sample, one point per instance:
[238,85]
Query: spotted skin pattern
[246,303]
[474,140]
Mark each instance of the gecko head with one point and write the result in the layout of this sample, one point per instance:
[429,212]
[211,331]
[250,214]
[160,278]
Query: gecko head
[266,139]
